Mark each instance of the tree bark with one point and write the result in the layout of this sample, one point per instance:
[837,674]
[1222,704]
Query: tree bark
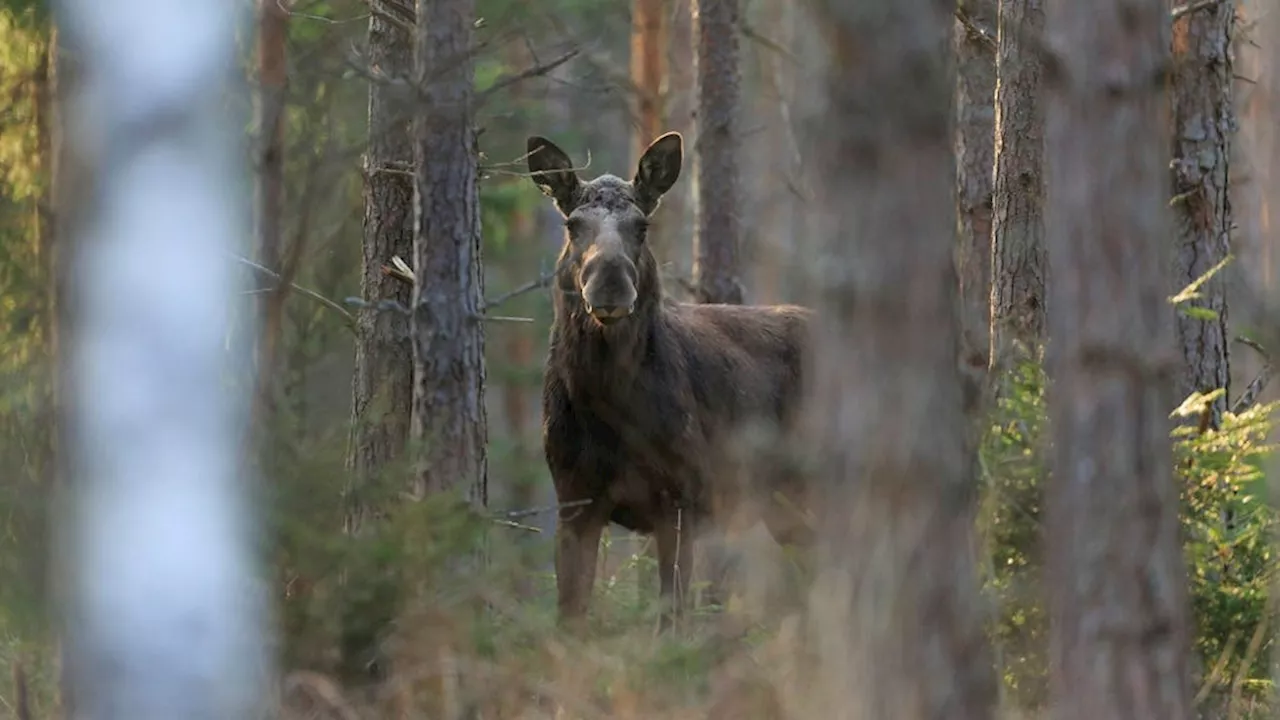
[1018,265]
[716,246]
[382,386]
[382,382]
[648,72]
[674,217]
[1203,119]
[273,26]
[896,606]
[448,300]
[1117,586]
[974,149]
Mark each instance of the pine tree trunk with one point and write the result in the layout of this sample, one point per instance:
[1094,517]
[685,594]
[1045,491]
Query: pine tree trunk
[673,221]
[382,383]
[1117,584]
[1017,239]
[974,148]
[896,607]
[716,272]
[382,386]
[1203,119]
[648,71]
[273,26]
[448,301]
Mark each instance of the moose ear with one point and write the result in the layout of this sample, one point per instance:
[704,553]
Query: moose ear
[658,170]
[553,172]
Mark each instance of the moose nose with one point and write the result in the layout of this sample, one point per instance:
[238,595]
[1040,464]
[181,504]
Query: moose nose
[607,314]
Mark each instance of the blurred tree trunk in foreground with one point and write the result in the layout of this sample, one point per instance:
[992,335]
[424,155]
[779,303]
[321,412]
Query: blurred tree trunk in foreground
[1203,119]
[448,299]
[1117,586]
[719,235]
[1018,259]
[382,382]
[896,613]
[974,147]
[166,615]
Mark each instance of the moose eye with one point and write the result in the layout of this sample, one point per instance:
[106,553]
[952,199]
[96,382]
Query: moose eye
[574,225]
[641,226]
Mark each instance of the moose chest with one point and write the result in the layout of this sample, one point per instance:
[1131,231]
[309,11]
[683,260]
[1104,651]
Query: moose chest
[631,446]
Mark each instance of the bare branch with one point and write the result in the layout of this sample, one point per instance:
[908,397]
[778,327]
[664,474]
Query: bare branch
[1192,7]
[1259,383]
[514,514]
[347,317]
[975,30]
[542,281]
[535,71]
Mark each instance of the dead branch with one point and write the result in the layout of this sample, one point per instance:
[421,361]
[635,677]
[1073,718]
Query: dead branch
[975,30]
[542,281]
[514,514]
[1259,383]
[1192,7]
[535,71]
[748,31]
[392,306]
[401,271]
[349,320]
[317,691]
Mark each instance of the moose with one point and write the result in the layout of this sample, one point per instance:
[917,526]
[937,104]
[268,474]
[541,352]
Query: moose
[644,397]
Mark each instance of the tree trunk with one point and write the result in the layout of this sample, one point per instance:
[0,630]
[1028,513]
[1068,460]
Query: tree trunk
[896,606]
[273,26]
[382,382]
[448,300]
[674,218]
[382,387]
[974,148]
[648,72]
[781,168]
[1017,236]
[1202,128]
[1117,586]
[716,246]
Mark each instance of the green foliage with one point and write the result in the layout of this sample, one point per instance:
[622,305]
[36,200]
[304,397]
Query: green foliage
[1227,530]
[1228,527]
[1013,466]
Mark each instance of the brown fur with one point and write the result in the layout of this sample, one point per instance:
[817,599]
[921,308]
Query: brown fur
[642,397]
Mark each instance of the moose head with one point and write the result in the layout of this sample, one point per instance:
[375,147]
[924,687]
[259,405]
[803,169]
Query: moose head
[605,260]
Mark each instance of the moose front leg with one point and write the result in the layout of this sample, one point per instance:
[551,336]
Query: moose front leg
[577,547]
[675,563]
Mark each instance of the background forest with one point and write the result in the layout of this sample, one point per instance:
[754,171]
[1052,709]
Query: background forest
[1160,349]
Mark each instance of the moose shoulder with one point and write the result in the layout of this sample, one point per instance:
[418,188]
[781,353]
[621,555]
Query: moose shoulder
[644,398]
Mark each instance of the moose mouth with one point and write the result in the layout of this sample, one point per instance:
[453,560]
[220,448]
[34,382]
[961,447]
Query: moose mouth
[608,316]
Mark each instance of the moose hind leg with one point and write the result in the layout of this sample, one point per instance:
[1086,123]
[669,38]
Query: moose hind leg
[577,547]
[675,563]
